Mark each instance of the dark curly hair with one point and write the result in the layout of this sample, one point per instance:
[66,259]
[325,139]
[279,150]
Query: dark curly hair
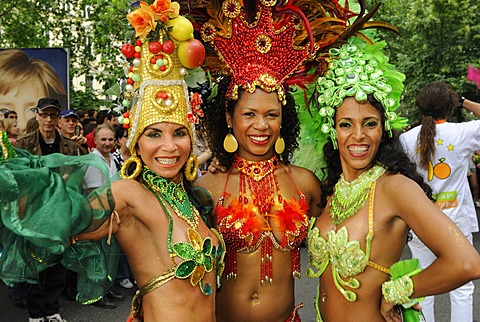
[215,124]
[390,154]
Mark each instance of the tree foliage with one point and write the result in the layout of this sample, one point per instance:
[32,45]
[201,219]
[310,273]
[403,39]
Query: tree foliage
[437,41]
[92,30]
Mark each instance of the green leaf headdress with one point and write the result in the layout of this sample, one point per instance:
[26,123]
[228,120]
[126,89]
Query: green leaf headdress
[358,69]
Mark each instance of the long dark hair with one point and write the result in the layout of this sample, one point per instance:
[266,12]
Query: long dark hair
[216,128]
[390,154]
[436,101]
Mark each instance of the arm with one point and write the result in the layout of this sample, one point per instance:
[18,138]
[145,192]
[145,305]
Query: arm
[310,185]
[109,226]
[204,156]
[471,106]
[457,260]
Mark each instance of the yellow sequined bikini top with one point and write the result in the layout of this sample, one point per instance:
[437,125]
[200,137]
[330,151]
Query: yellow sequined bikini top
[347,258]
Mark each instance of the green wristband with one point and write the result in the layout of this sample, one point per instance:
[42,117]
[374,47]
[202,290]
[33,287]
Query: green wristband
[398,291]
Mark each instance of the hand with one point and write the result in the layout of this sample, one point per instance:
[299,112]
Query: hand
[215,165]
[79,139]
[390,312]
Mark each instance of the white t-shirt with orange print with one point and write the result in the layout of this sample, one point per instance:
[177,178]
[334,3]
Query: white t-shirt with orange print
[447,171]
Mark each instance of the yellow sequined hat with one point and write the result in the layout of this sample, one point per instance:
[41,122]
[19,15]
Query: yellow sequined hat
[156,89]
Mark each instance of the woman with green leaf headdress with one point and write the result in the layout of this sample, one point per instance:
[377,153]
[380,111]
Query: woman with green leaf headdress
[371,196]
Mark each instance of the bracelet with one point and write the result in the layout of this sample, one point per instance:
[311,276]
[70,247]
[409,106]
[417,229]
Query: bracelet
[460,101]
[398,291]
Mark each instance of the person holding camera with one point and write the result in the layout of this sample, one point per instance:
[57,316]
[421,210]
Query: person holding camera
[70,127]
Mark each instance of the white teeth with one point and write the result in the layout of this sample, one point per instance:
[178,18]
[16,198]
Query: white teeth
[166,161]
[358,149]
[259,138]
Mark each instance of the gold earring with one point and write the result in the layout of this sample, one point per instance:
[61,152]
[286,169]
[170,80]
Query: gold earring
[191,172]
[280,145]
[124,171]
[230,143]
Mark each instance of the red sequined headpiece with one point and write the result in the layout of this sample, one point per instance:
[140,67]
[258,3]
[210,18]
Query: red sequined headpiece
[260,53]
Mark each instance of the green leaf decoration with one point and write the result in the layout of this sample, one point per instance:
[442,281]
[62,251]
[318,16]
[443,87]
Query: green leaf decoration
[404,267]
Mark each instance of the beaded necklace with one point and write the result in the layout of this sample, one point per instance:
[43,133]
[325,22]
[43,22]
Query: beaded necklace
[262,182]
[349,197]
[174,194]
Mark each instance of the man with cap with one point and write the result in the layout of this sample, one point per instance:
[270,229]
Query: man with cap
[42,299]
[68,122]
[46,139]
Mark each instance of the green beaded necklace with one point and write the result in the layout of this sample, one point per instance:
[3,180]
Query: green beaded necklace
[350,197]
[174,194]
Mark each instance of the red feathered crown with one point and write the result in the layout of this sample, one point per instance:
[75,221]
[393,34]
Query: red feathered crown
[260,53]
[275,44]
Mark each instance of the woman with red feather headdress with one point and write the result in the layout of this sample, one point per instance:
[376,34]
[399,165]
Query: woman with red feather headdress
[263,202]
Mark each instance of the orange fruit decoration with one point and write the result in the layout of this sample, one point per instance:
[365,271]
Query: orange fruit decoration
[442,170]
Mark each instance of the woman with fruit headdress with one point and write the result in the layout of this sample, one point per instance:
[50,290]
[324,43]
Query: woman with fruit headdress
[442,151]
[176,259]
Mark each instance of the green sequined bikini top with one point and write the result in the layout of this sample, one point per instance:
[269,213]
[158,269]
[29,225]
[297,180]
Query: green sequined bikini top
[346,257]
[198,256]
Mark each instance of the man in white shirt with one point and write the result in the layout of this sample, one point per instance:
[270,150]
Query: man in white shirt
[105,142]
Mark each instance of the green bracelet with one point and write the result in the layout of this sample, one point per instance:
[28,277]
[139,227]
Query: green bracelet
[398,291]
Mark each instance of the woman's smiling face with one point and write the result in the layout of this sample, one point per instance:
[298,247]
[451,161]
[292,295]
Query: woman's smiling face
[256,123]
[164,148]
[359,131]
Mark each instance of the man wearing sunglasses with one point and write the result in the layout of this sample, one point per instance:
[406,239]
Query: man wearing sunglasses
[46,140]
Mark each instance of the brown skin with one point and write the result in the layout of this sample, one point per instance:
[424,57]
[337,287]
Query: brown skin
[142,234]
[244,298]
[457,262]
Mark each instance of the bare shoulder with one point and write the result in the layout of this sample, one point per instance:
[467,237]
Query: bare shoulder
[399,185]
[309,184]
[302,175]
[126,192]
[212,182]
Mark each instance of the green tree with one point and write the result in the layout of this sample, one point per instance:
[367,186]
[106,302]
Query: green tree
[437,41]
[92,30]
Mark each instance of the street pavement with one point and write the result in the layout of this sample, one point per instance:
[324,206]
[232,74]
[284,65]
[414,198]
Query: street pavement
[305,291]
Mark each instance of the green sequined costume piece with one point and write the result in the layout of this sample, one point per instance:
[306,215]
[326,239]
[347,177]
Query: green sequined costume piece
[41,207]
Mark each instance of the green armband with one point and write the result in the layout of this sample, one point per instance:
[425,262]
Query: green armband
[398,291]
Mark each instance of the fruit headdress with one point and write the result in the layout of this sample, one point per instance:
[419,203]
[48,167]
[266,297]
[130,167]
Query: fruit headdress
[163,65]
[164,59]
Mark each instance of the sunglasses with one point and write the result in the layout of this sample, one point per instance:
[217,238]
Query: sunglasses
[45,115]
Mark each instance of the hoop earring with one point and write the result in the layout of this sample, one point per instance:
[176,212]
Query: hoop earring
[126,166]
[230,143]
[280,145]
[191,172]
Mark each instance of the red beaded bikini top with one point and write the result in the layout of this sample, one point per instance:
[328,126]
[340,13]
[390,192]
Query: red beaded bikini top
[248,219]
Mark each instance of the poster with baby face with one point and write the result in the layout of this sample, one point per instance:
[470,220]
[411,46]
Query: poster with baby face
[28,75]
